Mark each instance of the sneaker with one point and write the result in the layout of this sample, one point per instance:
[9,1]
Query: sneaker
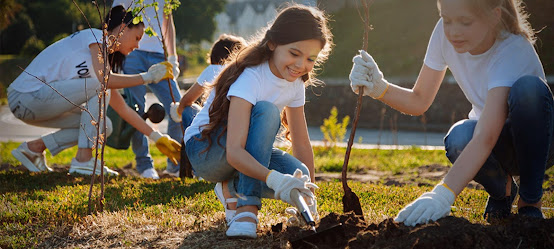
[150,173]
[229,214]
[531,212]
[86,168]
[500,209]
[242,229]
[173,174]
[33,161]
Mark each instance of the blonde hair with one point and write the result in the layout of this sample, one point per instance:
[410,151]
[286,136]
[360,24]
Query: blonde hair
[513,16]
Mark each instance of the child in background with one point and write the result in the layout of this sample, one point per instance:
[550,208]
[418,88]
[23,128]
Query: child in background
[488,46]
[72,67]
[231,139]
[185,110]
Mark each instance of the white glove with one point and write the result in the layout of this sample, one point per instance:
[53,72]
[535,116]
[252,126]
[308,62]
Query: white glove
[175,63]
[173,113]
[430,206]
[282,184]
[366,73]
[157,73]
[296,218]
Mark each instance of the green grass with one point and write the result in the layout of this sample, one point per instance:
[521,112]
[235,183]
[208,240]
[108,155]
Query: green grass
[41,208]
[395,161]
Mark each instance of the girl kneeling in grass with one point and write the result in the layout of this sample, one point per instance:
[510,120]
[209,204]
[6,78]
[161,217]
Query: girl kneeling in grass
[231,138]
[488,46]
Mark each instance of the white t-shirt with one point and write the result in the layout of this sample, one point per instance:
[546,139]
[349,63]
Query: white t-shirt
[255,84]
[68,58]
[505,62]
[209,74]
[148,43]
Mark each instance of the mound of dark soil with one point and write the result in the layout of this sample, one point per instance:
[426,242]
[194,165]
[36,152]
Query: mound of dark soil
[449,232]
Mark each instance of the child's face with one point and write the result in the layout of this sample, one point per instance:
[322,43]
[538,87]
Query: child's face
[293,60]
[130,39]
[466,31]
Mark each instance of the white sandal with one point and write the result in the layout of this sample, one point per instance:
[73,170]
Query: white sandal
[243,229]
[229,214]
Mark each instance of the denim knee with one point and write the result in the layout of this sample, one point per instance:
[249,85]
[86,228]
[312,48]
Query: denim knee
[528,93]
[269,111]
[458,137]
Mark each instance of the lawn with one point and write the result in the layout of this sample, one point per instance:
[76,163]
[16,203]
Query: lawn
[50,209]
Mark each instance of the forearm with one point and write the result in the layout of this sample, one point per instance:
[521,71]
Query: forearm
[136,121]
[118,81]
[170,35]
[468,164]
[305,154]
[405,100]
[192,94]
[242,161]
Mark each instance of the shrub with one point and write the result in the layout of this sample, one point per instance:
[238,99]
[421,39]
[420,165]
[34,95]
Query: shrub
[332,130]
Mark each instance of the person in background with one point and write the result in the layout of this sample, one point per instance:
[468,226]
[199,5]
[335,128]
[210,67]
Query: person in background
[150,52]
[185,110]
[488,47]
[68,70]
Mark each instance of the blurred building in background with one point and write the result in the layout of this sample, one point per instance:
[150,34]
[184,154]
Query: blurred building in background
[246,17]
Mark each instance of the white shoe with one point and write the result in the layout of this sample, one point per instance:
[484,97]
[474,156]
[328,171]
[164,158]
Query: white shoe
[33,161]
[243,229]
[229,214]
[86,168]
[150,173]
[174,174]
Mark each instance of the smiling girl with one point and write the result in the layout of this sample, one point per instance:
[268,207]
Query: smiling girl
[488,47]
[72,67]
[231,138]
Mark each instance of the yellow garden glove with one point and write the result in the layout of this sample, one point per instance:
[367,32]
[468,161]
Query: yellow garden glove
[167,146]
[157,73]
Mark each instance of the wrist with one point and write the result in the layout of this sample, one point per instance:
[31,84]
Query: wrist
[155,135]
[173,60]
[146,78]
[380,89]
[273,179]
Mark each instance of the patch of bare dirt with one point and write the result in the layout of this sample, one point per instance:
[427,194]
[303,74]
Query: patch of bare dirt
[426,175]
[449,232]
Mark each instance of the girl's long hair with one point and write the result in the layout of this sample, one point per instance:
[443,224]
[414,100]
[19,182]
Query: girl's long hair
[292,24]
[513,20]
[117,16]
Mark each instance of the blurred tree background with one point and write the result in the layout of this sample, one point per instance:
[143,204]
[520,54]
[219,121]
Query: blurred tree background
[398,41]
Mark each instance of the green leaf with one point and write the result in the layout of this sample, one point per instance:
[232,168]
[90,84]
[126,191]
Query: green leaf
[137,19]
[150,32]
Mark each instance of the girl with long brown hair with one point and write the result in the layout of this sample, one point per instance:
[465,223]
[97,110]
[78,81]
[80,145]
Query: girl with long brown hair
[231,139]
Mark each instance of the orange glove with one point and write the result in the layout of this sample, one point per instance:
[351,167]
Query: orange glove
[167,146]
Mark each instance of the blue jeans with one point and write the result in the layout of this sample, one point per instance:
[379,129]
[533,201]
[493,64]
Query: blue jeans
[137,62]
[523,147]
[212,164]
[188,115]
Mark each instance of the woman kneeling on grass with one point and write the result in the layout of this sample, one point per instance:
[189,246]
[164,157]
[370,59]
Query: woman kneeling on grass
[231,139]
[487,44]
[72,67]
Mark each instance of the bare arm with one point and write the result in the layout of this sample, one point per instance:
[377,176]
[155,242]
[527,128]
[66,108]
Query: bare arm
[237,133]
[417,100]
[192,94]
[301,146]
[486,134]
[116,80]
[168,27]
[128,114]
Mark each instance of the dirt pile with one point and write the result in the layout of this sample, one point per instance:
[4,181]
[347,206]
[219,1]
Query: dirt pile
[449,232]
